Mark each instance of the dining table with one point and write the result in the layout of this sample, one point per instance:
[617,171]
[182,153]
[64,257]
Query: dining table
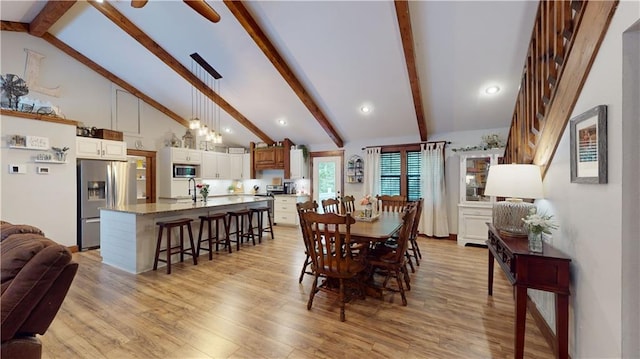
[378,229]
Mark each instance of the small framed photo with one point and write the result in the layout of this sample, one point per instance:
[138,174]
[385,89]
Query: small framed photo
[589,146]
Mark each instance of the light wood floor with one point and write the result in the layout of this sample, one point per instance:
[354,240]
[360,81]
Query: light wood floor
[249,304]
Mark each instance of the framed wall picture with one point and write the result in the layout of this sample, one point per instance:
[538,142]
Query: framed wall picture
[589,146]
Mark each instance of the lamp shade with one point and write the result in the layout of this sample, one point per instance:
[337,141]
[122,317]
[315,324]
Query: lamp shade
[515,181]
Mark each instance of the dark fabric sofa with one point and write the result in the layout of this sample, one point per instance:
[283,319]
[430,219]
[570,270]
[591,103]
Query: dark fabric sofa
[35,276]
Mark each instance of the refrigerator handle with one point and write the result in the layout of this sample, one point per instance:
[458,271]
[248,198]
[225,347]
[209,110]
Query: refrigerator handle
[110,186]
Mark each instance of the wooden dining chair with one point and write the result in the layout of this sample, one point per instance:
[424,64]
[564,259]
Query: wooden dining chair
[329,245]
[387,203]
[331,205]
[394,262]
[303,207]
[413,251]
[348,204]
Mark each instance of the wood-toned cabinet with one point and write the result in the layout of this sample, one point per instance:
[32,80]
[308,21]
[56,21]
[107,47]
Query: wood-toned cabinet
[95,148]
[474,208]
[269,158]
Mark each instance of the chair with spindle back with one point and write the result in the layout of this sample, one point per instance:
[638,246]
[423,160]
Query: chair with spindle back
[309,206]
[394,262]
[413,250]
[331,205]
[387,203]
[348,204]
[329,245]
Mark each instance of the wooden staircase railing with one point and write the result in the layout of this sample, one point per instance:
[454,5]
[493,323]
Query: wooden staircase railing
[564,43]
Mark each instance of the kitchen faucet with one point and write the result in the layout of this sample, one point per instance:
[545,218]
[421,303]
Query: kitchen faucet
[193,197]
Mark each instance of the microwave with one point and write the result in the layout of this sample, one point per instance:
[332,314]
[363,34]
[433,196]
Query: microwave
[184,171]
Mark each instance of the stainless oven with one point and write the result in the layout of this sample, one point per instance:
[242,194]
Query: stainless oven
[184,171]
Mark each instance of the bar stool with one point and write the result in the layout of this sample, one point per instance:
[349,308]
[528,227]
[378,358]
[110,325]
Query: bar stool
[217,217]
[179,249]
[261,229]
[239,217]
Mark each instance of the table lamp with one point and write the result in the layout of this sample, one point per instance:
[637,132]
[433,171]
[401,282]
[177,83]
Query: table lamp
[515,182]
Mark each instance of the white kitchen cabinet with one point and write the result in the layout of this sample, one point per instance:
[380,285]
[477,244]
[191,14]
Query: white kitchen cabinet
[95,148]
[284,209]
[246,166]
[474,208]
[237,167]
[298,167]
[185,156]
[216,165]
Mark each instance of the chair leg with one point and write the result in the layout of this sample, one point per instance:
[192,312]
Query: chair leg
[314,289]
[408,256]
[270,224]
[155,261]
[401,288]
[405,274]
[304,268]
[417,248]
[193,248]
[416,251]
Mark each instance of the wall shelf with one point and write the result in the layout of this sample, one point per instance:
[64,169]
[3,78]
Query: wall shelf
[50,161]
[355,169]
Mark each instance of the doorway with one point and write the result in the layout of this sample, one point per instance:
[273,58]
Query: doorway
[326,175]
[145,174]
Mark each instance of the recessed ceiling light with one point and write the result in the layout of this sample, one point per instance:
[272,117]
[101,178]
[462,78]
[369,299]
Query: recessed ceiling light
[365,109]
[491,90]
[282,122]
[227,130]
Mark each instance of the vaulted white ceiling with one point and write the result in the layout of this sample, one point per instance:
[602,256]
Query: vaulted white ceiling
[345,53]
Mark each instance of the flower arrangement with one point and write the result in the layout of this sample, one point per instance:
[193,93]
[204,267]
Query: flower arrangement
[204,189]
[366,200]
[539,223]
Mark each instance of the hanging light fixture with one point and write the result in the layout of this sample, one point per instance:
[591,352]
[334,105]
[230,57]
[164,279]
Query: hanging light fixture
[209,112]
[194,122]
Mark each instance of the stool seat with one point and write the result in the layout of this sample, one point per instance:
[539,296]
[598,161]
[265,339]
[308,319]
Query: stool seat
[210,239]
[259,211]
[178,249]
[239,217]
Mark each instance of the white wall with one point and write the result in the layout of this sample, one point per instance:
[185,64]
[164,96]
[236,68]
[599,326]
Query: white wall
[45,201]
[49,201]
[590,215]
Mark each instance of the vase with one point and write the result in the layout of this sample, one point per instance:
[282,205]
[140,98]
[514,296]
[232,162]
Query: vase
[204,199]
[368,210]
[535,241]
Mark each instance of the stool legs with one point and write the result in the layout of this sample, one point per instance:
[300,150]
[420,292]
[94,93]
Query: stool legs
[171,250]
[155,260]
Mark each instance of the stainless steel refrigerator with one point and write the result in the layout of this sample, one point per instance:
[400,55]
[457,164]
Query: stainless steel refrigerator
[101,184]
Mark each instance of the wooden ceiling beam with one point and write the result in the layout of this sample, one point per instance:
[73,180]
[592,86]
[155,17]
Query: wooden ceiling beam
[48,16]
[111,77]
[253,29]
[406,34]
[14,26]
[130,28]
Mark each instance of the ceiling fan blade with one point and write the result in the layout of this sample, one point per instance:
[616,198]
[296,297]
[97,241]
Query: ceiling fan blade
[202,8]
[138,3]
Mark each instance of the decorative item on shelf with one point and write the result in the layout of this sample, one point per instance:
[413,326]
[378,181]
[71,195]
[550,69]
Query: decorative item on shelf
[204,191]
[514,181]
[537,224]
[188,141]
[488,142]
[231,188]
[61,153]
[174,141]
[12,88]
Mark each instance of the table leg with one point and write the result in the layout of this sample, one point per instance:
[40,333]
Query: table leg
[562,325]
[490,274]
[521,320]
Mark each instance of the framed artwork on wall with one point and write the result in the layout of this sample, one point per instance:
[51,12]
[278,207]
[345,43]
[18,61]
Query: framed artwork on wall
[589,146]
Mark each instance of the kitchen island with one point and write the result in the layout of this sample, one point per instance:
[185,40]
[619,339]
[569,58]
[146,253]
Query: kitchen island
[128,234]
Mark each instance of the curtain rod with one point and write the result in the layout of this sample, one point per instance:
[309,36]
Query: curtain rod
[409,144]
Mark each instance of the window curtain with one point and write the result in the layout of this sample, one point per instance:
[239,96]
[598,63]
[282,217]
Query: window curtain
[434,212]
[372,172]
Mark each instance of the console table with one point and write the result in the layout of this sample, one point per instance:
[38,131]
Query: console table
[548,271]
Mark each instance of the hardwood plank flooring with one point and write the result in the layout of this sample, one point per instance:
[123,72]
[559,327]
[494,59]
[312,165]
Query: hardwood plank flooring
[249,304]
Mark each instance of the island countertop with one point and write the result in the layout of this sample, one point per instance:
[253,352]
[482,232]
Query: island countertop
[156,208]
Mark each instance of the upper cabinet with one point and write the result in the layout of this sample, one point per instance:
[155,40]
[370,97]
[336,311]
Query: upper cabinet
[298,167]
[216,165]
[269,158]
[185,156]
[94,148]
[239,166]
